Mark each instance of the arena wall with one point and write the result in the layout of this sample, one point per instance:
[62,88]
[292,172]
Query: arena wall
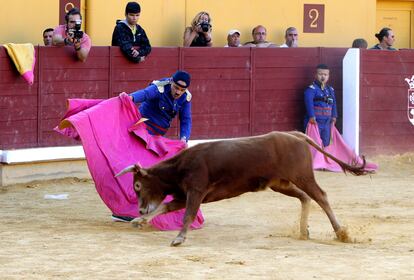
[386,102]
[236,92]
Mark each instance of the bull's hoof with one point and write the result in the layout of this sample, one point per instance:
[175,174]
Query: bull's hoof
[177,241]
[342,235]
[139,222]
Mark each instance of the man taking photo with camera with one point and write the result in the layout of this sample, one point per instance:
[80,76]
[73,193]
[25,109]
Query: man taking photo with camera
[71,34]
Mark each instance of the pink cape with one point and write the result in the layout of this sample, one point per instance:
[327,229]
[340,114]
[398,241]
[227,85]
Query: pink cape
[337,148]
[112,140]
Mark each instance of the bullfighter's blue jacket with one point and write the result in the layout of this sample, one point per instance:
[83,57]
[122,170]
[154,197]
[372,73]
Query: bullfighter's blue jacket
[321,105]
[160,108]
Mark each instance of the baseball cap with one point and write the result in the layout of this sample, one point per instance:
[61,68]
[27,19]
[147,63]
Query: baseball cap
[182,79]
[231,32]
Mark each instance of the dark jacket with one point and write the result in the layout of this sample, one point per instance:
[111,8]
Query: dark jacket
[123,37]
[199,41]
[377,47]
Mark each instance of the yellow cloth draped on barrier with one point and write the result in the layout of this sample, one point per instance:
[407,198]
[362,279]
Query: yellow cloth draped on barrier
[23,56]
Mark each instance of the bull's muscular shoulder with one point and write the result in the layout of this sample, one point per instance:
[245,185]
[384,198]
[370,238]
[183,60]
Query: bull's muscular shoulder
[160,84]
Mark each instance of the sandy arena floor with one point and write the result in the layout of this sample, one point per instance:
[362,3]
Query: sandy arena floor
[254,236]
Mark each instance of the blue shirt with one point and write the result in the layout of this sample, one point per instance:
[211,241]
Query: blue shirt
[320,103]
[160,108]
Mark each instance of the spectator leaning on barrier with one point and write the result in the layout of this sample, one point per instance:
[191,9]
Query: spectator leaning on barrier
[259,34]
[233,38]
[360,43]
[199,33]
[130,36]
[320,103]
[162,100]
[291,38]
[386,39]
[71,34]
[48,36]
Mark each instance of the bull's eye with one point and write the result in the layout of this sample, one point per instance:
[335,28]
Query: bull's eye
[137,187]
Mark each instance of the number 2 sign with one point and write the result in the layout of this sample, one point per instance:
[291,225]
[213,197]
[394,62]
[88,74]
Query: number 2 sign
[313,18]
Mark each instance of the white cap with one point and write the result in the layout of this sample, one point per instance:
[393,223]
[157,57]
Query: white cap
[231,32]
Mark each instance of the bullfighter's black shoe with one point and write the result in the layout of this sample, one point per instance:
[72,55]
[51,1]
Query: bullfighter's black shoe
[124,219]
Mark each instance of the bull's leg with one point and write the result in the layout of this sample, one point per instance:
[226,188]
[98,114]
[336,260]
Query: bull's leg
[161,209]
[194,199]
[288,189]
[316,193]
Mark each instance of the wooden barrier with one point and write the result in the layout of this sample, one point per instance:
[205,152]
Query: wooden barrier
[236,92]
[384,124]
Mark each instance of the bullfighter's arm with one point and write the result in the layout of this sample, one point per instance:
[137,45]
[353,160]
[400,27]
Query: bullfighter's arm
[309,95]
[334,111]
[185,121]
[148,93]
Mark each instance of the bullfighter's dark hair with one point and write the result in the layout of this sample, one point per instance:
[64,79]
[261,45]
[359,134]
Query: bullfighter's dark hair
[322,66]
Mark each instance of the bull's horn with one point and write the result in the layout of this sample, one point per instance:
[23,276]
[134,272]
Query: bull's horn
[140,170]
[131,168]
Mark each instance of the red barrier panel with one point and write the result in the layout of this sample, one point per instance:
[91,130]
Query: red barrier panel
[384,123]
[236,92]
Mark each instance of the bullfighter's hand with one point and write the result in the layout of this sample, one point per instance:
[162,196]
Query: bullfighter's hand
[184,140]
[333,120]
[312,120]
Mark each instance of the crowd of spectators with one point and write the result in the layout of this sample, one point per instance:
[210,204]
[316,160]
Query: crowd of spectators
[135,45]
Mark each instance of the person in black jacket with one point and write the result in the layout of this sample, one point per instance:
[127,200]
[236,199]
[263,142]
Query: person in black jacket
[130,36]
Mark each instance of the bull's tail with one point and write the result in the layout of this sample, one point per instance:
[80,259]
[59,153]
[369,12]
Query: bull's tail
[354,169]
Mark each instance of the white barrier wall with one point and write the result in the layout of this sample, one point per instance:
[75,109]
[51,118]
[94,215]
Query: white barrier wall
[351,72]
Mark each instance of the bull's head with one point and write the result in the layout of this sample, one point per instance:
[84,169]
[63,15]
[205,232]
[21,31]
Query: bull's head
[146,188]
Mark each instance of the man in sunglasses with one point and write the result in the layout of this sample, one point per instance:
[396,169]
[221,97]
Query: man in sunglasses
[291,38]
[162,100]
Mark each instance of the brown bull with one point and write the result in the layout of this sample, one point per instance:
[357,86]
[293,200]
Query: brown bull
[217,170]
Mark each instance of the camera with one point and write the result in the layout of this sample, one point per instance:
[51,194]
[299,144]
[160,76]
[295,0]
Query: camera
[76,32]
[205,26]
